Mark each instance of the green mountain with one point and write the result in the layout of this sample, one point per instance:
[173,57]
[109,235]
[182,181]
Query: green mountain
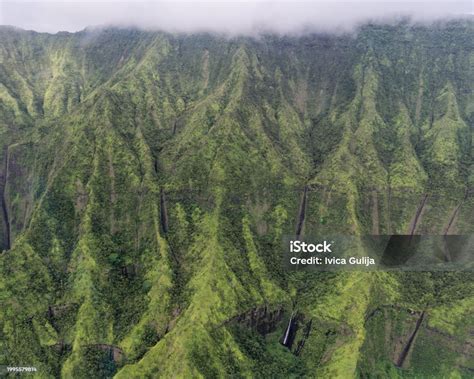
[147,180]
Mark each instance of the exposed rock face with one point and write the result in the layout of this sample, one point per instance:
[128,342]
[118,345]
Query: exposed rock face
[261,319]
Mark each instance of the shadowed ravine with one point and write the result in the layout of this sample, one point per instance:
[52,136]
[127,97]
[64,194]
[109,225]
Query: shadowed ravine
[418,213]
[302,213]
[3,184]
[409,344]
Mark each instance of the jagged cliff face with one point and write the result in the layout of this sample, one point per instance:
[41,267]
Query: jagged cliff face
[147,180]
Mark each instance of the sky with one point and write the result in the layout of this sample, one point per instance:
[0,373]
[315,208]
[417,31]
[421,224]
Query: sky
[229,17]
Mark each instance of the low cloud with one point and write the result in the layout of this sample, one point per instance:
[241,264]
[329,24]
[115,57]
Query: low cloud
[230,17]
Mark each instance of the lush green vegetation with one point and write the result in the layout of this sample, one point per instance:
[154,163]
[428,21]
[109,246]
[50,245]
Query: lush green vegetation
[149,178]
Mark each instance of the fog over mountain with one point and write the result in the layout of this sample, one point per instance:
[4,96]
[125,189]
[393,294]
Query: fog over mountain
[231,17]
